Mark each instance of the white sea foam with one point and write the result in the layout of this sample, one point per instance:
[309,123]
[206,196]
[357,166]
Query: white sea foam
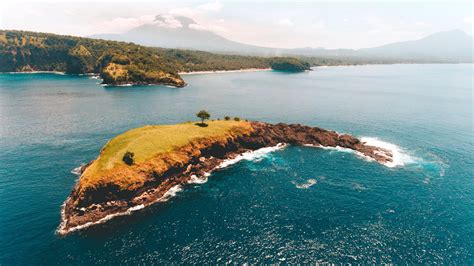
[117,85]
[62,230]
[342,149]
[198,180]
[399,156]
[251,155]
[77,170]
[170,193]
[309,183]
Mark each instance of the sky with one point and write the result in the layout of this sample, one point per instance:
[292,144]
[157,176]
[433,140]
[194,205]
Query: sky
[284,24]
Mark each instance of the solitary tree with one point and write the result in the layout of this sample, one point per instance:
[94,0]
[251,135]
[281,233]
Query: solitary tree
[203,114]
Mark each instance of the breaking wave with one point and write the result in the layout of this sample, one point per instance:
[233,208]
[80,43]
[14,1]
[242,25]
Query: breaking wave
[198,180]
[251,155]
[399,156]
[61,229]
[309,183]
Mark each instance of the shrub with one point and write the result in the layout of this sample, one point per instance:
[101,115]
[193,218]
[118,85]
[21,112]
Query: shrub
[128,158]
[237,118]
[227,118]
[203,114]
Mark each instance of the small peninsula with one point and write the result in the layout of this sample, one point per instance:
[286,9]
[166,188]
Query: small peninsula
[142,166]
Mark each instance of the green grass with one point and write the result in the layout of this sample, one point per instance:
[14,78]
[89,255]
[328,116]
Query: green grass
[149,141]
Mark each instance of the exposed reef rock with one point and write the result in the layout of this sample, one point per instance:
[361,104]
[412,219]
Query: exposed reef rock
[96,204]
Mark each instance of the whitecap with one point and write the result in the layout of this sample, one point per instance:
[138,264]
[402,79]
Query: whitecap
[170,193]
[342,149]
[309,183]
[399,156]
[77,170]
[62,230]
[251,155]
[198,180]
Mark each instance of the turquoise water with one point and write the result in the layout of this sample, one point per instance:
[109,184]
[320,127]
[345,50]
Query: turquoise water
[299,204]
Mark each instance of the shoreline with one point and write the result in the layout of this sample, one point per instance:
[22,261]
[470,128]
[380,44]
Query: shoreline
[199,167]
[162,196]
[224,71]
[81,211]
[213,164]
[38,72]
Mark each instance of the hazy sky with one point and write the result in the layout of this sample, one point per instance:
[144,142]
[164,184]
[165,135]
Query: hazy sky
[329,24]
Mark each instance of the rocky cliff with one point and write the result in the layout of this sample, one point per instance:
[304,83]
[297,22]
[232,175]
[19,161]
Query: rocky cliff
[96,204]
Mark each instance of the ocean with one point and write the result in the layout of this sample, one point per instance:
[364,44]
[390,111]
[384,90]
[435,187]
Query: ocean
[292,205]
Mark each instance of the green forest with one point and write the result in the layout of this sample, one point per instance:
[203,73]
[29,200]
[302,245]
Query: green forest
[121,62]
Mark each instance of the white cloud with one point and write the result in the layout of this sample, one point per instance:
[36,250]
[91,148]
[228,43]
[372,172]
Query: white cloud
[121,24]
[184,11]
[285,22]
[197,27]
[167,21]
[212,6]
[468,20]
[209,27]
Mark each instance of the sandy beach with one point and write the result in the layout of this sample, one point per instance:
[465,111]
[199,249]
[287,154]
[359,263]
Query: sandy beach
[225,71]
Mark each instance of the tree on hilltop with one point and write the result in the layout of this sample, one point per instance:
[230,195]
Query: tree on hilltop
[203,115]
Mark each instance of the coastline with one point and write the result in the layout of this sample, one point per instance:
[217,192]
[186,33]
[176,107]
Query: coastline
[81,211]
[225,71]
[39,72]
[153,196]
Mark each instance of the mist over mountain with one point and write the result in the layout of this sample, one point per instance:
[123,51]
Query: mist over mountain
[455,45]
[181,32]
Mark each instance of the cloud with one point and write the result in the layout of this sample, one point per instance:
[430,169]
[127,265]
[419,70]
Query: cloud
[197,27]
[285,22]
[121,24]
[208,27]
[468,20]
[212,6]
[184,11]
[167,21]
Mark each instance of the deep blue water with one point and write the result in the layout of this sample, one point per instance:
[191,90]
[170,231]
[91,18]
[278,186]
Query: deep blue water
[254,211]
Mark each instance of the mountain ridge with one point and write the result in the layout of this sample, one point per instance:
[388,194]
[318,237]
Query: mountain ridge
[184,33]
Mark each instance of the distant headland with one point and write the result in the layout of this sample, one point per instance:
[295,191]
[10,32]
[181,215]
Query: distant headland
[121,63]
[146,165]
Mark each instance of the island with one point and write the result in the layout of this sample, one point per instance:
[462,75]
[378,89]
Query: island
[289,64]
[144,165]
[121,63]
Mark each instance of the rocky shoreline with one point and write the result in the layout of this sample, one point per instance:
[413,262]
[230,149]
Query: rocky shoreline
[100,205]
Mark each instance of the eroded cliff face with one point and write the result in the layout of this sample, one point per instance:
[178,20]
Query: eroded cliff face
[87,206]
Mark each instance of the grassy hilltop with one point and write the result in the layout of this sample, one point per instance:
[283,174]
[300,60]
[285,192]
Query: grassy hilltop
[154,147]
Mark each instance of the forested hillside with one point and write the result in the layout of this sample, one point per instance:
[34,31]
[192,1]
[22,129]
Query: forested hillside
[117,62]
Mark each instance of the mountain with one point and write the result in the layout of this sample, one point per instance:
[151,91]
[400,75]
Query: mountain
[184,33]
[453,45]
